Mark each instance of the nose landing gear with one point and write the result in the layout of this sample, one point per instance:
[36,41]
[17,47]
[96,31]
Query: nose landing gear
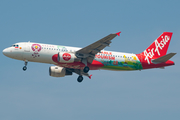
[25,67]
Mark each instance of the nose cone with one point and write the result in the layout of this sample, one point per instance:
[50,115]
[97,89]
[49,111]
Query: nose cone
[6,52]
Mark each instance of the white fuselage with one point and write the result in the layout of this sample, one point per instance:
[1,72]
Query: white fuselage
[25,52]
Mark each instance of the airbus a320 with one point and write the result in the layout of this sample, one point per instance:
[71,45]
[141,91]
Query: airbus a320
[69,60]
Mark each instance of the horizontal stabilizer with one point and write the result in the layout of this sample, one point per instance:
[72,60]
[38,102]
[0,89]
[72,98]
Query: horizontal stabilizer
[163,58]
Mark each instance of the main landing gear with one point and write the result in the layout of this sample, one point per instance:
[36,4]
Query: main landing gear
[86,69]
[80,78]
[25,67]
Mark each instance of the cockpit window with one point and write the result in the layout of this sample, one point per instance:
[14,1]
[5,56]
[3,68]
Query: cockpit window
[15,46]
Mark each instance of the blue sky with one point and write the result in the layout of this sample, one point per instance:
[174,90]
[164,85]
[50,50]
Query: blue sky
[138,95]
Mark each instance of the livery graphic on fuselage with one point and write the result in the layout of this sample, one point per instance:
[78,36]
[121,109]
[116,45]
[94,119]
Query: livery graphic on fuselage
[68,60]
[36,48]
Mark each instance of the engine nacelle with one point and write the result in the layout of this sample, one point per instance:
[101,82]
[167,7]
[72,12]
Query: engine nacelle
[66,57]
[56,71]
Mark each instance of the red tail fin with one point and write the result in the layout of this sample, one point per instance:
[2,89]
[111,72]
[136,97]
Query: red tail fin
[159,47]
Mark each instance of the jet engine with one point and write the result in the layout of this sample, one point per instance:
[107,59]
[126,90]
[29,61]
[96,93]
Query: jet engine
[56,71]
[66,57]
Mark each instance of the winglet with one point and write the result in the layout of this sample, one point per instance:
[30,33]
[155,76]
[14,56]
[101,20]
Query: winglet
[118,33]
[90,76]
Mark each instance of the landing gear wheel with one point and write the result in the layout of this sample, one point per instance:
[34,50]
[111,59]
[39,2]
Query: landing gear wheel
[24,68]
[86,69]
[80,79]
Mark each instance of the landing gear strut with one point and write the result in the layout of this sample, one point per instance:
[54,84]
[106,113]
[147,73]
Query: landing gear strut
[86,68]
[80,78]
[25,67]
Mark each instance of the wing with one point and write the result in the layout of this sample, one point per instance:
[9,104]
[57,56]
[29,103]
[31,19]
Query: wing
[90,51]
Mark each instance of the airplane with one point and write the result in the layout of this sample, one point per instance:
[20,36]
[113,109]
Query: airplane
[69,60]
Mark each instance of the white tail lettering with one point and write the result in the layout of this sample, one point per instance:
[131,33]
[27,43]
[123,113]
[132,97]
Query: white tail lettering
[158,46]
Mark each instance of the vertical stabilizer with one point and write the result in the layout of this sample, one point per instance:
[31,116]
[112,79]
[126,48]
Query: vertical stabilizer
[159,47]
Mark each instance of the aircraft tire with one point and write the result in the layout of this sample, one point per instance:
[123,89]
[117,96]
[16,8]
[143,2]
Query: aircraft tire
[24,68]
[86,69]
[80,78]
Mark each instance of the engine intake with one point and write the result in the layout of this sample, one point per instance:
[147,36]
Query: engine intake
[56,71]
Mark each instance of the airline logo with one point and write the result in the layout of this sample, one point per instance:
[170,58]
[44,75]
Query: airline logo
[66,56]
[161,44]
[156,49]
